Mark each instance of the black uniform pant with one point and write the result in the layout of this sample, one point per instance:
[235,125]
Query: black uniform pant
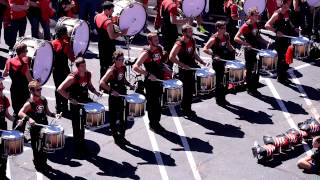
[39,156]
[281,46]
[78,121]
[105,56]
[219,67]
[153,96]
[188,80]
[117,112]
[3,159]
[19,97]
[253,67]
[61,102]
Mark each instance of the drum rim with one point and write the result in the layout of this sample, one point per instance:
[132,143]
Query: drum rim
[146,15]
[94,103]
[205,4]
[141,101]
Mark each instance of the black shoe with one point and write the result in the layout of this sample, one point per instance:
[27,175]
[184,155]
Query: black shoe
[284,81]
[254,93]
[222,102]
[189,113]
[125,141]
[120,143]
[157,128]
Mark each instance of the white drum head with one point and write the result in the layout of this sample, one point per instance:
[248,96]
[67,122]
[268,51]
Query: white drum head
[193,8]
[314,3]
[132,16]
[81,38]
[259,4]
[235,65]
[42,63]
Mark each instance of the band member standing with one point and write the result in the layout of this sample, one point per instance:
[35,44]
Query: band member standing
[153,58]
[4,113]
[107,36]
[75,88]
[231,10]
[185,50]
[18,20]
[115,82]
[169,13]
[252,38]
[18,70]
[219,46]
[280,23]
[62,52]
[36,110]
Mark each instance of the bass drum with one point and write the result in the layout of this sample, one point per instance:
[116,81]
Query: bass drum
[79,33]
[129,15]
[314,3]
[259,4]
[193,8]
[41,54]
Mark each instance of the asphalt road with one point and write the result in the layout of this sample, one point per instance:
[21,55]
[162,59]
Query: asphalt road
[215,145]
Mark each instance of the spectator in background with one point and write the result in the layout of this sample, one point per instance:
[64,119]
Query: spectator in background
[67,8]
[231,10]
[87,11]
[311,164]
[271,7]
[3,8]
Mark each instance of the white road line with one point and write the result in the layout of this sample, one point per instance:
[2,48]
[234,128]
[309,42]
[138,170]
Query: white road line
[305,96]
[285,111]
[155,148]
[39,175]
[185,143]
[8,171]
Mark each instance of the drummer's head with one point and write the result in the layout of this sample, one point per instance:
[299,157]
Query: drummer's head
[61,32]
[187,31]
[286,4]
[118,58]
[107,7]
[21,50]
[153,39]
[35,87]
[81,64]
[253,14]
[221,26]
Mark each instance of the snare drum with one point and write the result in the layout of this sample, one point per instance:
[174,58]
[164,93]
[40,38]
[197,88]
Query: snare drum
[236,71]
[269,59]
[206,81]
[193,8]
[172,92]
[130,15]
[301,47]
[135,104]
[41,54]
[79,33]
[52,138]
[12,143]
[95,114]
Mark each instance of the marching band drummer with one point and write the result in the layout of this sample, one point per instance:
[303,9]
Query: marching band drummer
[36,110]
[219,46]
[153,58]
[107,36]
[252,39]
[62,52]
[4,113]
[75,89]
[115,82]
[18,70]
[184,49]
[280,23]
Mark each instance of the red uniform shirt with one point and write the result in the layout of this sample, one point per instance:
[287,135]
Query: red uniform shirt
[58,44]
[16,64]
[271,7]
[245,28]
[83,81]
[18,14]
[156,56]
[102,21]
[171,7]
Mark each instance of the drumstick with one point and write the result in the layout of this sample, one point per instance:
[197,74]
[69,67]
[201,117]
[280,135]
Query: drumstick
[256,49]
[159,80]
[19,123]
[271,33]
[194,69]
[42,125]
[56,118]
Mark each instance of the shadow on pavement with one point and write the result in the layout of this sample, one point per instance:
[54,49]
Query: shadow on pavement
[292,107]
[259,117]
[217,128]
[148,156]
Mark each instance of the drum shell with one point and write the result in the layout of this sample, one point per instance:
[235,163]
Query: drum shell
[172,96]
[12,146]
[236,74]
[301,50]
[205,85]
[135,109]
[52,141]
[94,118]
[269,61]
